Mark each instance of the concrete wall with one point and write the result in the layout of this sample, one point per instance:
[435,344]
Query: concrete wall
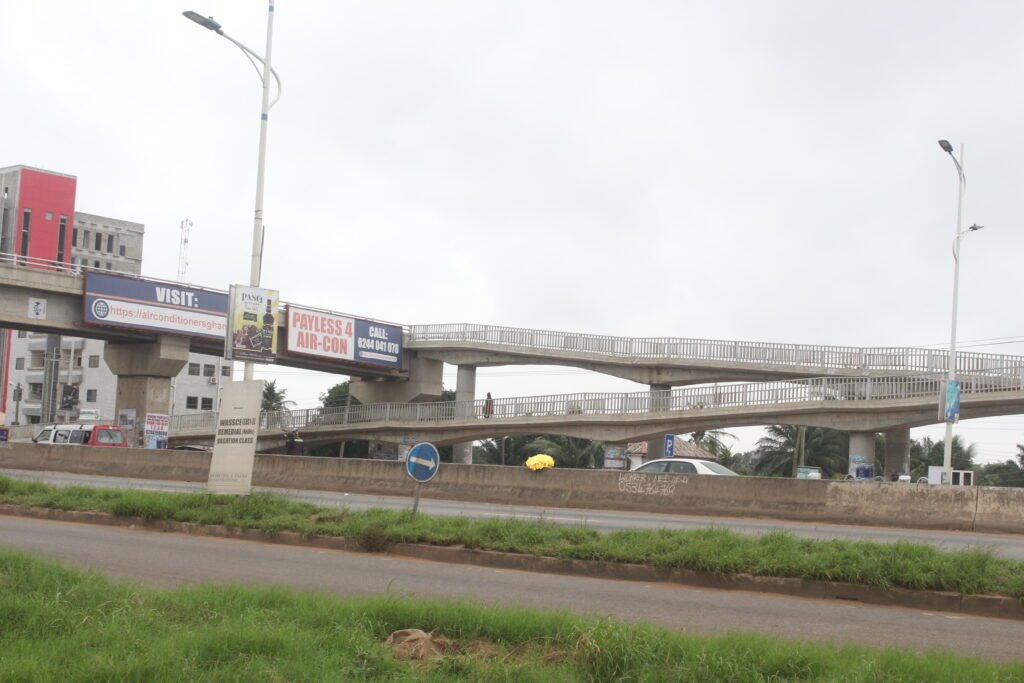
[868,503]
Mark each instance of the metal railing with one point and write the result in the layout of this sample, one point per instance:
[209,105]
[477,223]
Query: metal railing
[902,359]
[728,396]
[42,264]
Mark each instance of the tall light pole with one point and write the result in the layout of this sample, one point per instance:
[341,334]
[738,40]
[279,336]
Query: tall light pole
[257,225]
[947,454]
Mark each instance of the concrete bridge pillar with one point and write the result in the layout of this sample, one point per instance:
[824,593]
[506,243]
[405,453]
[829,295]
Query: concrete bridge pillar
[424,383]
[144,373]
[659,400]
[862,455]
[465,390]
[897,452]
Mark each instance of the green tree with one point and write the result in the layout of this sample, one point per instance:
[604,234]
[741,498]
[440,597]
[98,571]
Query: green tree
[1006,473]
[338,396]
[926,451]
[274,398]
[1020,455]
[824,448]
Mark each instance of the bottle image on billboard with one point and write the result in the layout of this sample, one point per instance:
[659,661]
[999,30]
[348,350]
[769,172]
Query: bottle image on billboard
[268,328]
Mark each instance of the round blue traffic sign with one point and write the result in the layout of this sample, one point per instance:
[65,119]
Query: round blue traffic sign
[423,462]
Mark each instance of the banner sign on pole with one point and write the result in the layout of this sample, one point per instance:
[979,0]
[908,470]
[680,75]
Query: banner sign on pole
[252,324]
[952,403]
[330,335]
[138,304]
[234,446]
[157,427]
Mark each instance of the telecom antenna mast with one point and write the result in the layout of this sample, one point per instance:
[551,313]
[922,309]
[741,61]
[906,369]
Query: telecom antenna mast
[186,225]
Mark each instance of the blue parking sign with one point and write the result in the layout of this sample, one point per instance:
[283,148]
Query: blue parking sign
[670,445]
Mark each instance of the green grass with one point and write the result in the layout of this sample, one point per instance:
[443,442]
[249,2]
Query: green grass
[63,625]
[714,550]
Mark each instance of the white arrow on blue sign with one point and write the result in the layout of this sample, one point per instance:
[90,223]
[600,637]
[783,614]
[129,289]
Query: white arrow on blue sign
[670,445]
[423,462]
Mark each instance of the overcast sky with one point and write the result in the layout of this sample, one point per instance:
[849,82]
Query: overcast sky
[735,170]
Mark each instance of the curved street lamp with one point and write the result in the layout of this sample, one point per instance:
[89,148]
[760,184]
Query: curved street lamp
[947,454]
[268,71]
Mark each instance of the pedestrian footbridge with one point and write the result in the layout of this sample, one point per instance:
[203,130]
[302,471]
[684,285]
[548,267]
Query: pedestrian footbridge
[866,404]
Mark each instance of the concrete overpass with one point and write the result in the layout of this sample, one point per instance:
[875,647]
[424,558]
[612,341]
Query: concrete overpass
[861,406]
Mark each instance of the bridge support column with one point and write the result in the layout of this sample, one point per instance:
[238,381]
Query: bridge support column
[862,455]
[897,452]
[658,401]
[424,383]
[465,390]
[144,373]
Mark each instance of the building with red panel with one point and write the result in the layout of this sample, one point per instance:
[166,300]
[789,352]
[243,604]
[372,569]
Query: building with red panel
[38,212]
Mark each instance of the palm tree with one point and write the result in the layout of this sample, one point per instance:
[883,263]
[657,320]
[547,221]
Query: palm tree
[713,441]
[570,451]
[273,398]
[824,448]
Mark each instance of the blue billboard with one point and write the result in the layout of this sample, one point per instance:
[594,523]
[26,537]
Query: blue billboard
[168,308]
[378,343]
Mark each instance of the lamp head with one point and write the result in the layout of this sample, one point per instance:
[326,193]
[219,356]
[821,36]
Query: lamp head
[205,22]
[975,227]
[946,147]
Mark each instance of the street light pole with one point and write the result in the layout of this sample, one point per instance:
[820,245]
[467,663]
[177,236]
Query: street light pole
[947,454]
[257,228]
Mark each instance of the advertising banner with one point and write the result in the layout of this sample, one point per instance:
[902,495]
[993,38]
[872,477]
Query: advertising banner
[157,427]
[252,334]
[951,412]
[234,446]
[119,301]
[330,335]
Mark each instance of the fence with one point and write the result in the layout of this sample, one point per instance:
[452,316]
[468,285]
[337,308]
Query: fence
[735,396]
[902,359]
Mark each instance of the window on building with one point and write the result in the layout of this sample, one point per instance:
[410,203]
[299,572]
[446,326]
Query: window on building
[33,419]
[110,243]
[193,369]
[110,266]
[78,360]
[74,237]
[207,404]
[98,244]
[26,228]
[19,363]
[22,334]
[120,250]
[62,234]
[191,402]
[225,370]
[35,391]
[90,395]
[94,361]
[209,370]
[85,240]
[96,265]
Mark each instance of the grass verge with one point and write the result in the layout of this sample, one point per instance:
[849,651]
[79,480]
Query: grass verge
[713,550]
[59,624]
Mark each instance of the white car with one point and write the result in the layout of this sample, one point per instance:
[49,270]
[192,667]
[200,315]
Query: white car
[685,466]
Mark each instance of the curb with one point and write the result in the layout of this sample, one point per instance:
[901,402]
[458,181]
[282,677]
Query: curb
[995,606]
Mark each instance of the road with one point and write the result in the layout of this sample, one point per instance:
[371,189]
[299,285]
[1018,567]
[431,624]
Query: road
[168,560]
[1006,545]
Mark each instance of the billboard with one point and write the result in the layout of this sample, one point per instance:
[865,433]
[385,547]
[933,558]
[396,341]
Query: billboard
[234,446]
[253,317]
[138,304]
[330,335]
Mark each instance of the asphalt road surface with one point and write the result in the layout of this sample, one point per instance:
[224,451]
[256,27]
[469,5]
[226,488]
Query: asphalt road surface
[168,560]
[1006,545]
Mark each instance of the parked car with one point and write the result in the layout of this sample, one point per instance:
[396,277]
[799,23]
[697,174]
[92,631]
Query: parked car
[685,466]
[81,434]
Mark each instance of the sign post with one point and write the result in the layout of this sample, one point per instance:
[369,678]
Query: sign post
[422,465]
[234,446]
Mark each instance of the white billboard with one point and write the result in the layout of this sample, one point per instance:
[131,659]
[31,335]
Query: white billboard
[234,447]
[321,334]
